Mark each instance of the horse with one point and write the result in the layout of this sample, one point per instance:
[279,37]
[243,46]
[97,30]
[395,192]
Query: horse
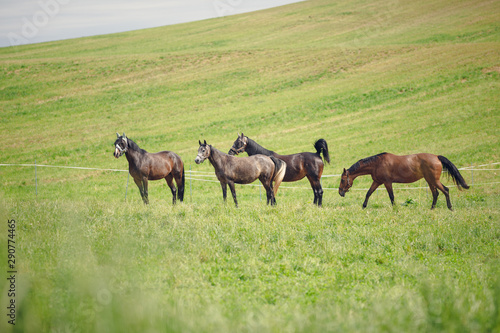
[144,166]
[387,168]
[230,170]
[298,166]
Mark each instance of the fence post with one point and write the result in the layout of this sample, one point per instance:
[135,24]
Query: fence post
[126,188]
[472,174]
[36,181]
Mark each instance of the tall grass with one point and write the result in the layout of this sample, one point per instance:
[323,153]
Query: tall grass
[212,267]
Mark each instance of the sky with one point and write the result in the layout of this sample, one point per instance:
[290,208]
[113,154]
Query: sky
[35,21]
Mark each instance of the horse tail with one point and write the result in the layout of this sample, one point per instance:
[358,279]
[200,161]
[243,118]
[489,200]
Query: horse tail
[321,145]
[180,190]
[279,172]
[453,172]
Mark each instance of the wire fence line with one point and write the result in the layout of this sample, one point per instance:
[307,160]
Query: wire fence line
[61,167]
[189,175]
[472,167]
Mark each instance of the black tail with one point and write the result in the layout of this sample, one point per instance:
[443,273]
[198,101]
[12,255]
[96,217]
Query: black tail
[180,190]
[321,145]
[453,172]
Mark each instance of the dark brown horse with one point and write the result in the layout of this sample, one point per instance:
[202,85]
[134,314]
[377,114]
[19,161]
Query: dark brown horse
[298,166]
[230,170]
[387,168]
[144,166]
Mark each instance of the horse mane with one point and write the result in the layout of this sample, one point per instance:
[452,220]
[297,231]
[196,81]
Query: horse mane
[254,148]
[212,148]
[364,161]
[133,146]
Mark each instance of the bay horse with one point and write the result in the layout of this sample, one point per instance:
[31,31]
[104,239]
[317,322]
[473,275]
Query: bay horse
[144,166]
[387,168]
[298,166]
[231,170]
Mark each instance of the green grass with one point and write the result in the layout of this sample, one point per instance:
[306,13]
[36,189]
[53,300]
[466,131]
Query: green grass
[368,76]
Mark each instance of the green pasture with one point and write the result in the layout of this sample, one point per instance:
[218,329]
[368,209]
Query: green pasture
[368,76]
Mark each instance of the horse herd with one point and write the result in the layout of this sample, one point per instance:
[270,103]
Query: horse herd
[272,169]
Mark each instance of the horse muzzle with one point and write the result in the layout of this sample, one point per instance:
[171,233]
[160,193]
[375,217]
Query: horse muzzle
[341,193]
[119,151]
[234,152]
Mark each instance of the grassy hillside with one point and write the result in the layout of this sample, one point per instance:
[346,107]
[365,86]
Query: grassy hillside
[368,76]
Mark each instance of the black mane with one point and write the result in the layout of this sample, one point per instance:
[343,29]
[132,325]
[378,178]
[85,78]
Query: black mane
[254,148]
[133,146]
[364,161]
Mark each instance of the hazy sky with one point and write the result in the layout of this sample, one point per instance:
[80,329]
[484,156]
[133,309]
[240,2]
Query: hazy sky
[34,21]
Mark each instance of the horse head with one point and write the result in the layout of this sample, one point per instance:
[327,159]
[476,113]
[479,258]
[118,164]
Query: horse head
[239,145]
[203,152]
[121,145]
[345,183]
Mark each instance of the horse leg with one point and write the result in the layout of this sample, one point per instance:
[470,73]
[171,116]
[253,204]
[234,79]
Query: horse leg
[317,189]
[138,182]
[435,184]
[224,190]
[268,186]
[435,194]
[179,180]
[370,191]
[145,186]
[170,184]
[388,187]
[270,194]
[446,193]
[233,192]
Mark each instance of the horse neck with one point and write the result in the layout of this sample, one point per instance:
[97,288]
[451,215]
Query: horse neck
[253,148]
[134,152]
[216,158]
[363,169]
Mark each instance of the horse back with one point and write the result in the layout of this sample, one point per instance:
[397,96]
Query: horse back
[161,164]
[408,168]
[300,165]
[245,170]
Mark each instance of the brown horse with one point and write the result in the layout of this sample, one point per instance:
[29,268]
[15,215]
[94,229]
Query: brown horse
[387,168]
[144,166]
[298,166]
[230,170]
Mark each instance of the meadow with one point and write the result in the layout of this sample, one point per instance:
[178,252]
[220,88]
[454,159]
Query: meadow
[367,76]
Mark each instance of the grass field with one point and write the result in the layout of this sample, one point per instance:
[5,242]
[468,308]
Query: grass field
[368,76]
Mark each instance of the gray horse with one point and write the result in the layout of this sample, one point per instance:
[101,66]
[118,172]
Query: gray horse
[232,170]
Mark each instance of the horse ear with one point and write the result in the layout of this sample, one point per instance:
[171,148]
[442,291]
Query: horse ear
[205,142]
[344,171]
[199,142]
[124,135]
[242,135]
[117,135]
